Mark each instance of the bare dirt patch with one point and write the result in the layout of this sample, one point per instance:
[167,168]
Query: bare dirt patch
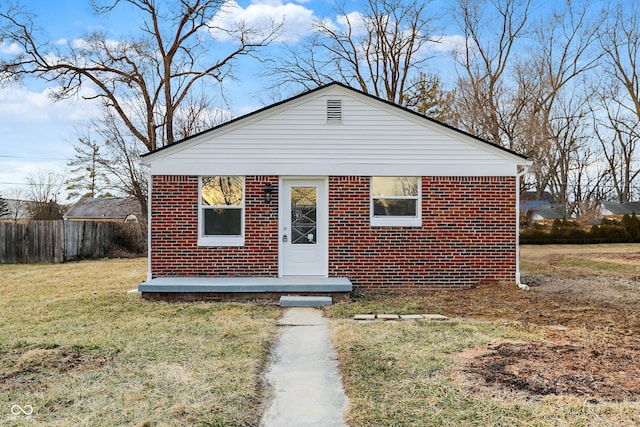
[606,373]
[30,369]
[586,299]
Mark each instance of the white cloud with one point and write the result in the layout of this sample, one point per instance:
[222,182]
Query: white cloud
[84,44]
[38,133]
[355,20]
[61,42]
[9,48]
[449,44]
[262,15]
[20,104]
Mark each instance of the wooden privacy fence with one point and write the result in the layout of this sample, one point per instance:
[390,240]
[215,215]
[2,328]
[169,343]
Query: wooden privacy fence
[54,241]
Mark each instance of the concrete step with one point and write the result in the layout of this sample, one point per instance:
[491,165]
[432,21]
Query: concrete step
[304,301]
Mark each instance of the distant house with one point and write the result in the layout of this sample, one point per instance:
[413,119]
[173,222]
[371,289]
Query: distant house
[544,214]
[104,209]
[533,196]
[616,210]
[543,210]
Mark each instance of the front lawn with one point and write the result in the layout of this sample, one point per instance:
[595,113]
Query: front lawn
[410,373]
[562,354]
[81,351]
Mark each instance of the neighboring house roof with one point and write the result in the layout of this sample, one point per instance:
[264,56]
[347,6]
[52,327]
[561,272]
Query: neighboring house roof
[103,208]
[547,213]
[334,130]
[619,208]
[527,205]
[533,196]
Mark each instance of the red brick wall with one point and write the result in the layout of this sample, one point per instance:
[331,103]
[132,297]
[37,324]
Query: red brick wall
[174,232]
[467,235]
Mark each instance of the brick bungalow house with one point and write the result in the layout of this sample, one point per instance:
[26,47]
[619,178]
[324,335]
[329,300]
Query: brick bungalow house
[329,191]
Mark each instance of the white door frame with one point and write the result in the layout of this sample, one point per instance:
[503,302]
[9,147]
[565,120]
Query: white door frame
[322,212]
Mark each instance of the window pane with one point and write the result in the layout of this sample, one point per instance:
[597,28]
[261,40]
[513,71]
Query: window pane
[222,190]
[303,215]
[394,207]
[222,222]
[395,186]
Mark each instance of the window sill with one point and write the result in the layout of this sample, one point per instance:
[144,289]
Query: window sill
[396,222]
[221,241]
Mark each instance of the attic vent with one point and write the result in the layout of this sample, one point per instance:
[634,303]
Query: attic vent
[334,110]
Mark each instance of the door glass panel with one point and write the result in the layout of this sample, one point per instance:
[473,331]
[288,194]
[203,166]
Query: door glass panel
[303,215]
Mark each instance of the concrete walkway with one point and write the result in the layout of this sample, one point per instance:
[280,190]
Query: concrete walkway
[304,385]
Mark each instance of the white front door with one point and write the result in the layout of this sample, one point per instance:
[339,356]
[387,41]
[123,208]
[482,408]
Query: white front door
[303,227]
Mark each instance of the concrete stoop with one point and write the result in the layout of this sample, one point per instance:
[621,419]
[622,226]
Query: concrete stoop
[304,301]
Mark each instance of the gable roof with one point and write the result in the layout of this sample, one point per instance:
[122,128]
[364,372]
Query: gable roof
[297,136]
[104,208]
[548,212]
[320,88]
[620,208]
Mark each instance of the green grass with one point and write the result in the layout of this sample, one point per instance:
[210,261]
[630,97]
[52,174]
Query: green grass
[402,374]
[81,351]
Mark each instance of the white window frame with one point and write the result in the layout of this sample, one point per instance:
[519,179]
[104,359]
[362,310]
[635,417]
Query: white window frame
[219,240]
[396,221]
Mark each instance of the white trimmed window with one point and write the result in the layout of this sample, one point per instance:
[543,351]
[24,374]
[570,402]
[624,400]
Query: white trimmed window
[395,201]
[221,211]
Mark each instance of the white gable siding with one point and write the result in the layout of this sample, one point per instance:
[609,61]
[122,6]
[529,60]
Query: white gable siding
[373,139]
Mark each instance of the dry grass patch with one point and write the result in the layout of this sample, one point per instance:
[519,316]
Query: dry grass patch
[561,354]
[408,373]
[81,351]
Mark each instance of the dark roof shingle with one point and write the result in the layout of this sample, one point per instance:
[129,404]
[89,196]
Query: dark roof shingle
[103,207]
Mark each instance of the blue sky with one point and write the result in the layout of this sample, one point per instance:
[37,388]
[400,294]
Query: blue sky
[38,134]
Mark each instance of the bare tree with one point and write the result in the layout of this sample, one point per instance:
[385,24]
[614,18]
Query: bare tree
[44,189]
[552,113]
[119,156]
[196,115]
[618,133]
[143,80]
[44,185]
[377,49]
[570,145]
[16,204]
[616,103]
[485,60]
[426,95]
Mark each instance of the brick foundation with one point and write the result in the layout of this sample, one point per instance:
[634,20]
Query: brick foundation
[467,234]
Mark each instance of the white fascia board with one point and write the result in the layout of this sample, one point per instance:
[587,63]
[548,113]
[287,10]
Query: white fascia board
[161,167]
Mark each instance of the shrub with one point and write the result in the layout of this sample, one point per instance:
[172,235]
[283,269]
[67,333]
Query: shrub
[130,238]
[565,231]
[612,232]
[632,227]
